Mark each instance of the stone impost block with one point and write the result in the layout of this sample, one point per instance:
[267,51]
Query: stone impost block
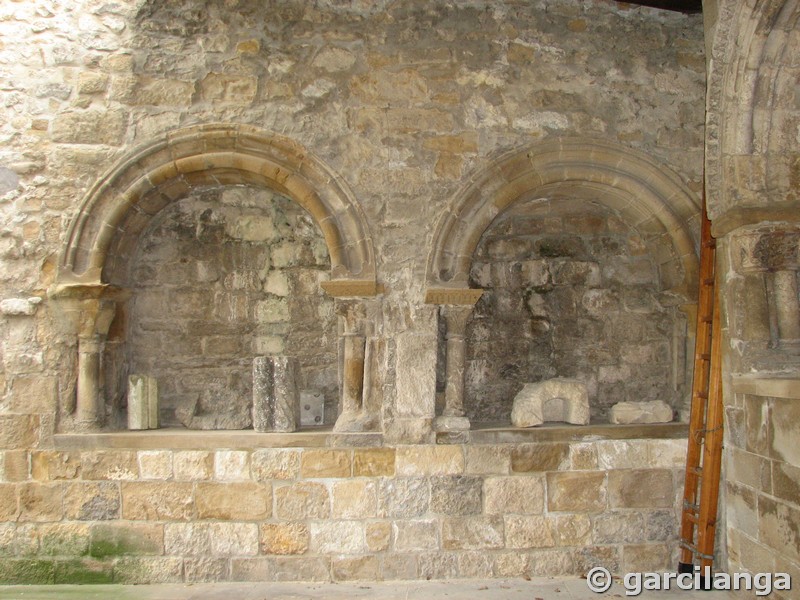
[656,411]
[142,402]
[276,406]
[558,399]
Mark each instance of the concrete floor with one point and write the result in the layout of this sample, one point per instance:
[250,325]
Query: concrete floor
[516,589]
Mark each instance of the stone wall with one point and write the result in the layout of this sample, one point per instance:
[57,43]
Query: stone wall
[162,514]
[221,277]
[571,291]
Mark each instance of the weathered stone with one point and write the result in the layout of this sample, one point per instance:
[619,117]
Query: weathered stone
[374,462]
[362,568]
[539,457]
[231,465]
[416,535]
[155,464]
[150,501]
[514,495]
[92,500]
[472,533]
[379,535]
[193,465]
[134,570]
[142,402]
[403,498]
[354,499]
[303,500]
[325,463]
[617,527]
[275,463]
[115,539]
[622,454]
[640,488]
[245,501]
[205,570]
[487,460]
[337,537]
[234,539]
[571,530]
[276,403]
[187,539]
[576,492]
[429,460]
[284,538]
[558,399]
[111,464]
[527,532]
[655,411]
[47,465]
[281,568]
[456,495]
[40,502]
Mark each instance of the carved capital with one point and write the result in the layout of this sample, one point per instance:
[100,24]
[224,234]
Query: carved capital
[456,317]
[774,249]
[453,296]
[352,288]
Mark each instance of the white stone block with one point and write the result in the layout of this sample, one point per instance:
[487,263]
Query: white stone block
[142,402]
[656,411]
[559,399]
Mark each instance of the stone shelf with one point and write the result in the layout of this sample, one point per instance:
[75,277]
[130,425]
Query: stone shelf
[489,433]
[324,437]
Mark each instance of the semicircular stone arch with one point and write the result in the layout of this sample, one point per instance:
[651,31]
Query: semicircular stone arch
[648,196]
[118,208]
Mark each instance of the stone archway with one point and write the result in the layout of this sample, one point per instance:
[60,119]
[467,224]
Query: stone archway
[647,196]
[101,242]
[122,202]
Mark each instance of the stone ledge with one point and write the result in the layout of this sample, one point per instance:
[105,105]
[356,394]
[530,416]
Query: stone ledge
[505,434]
[183,439]
[775,387]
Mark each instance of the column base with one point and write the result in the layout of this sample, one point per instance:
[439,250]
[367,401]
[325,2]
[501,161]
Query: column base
[355,422]
[451,424]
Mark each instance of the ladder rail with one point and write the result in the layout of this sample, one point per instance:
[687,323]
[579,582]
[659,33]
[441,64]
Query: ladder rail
[703,456]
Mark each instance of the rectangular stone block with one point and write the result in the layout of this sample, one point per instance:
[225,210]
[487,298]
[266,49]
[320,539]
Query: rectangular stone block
[40,502]
[325,463]
[281,568]
[276,405]
[118,465]
[639,488]
[284,538]
[373,462]
[429,460]
[245,501]
[303,500]
[514,495]
[354,499]
[92,500]
[527,532]
[337,537]
[119,539]
[47,465]
[142,402]
[472,533]
[135,570]
[456,495]
[157,501]
[357,568]
[416,535]
[234,539]
[487,460]
[576,491]
[275,463]
[205,570]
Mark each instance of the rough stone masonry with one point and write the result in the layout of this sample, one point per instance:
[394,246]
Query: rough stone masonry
[184,187]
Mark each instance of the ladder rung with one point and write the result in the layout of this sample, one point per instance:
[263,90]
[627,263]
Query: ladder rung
[697,471]
[708,281]
[704,356]
[712,243]
[703,395]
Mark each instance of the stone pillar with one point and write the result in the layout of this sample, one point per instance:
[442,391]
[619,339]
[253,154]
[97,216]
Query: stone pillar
[355,347]
[86,311]
[456,308]
[276,404]
[787,310]
[453,418]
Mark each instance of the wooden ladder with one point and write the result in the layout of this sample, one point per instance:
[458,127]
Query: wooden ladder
[704,453]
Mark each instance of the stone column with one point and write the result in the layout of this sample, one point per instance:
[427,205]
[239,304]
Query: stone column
[787,310]
[456,318]
[456,308]
[355,320]
[87,310]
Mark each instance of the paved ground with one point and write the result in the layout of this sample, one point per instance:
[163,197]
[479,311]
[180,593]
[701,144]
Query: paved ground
[537,589]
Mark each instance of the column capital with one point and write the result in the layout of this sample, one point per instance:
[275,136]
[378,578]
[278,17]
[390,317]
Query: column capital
[453,296]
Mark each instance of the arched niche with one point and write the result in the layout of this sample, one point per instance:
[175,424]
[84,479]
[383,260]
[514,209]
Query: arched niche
[646,198]
[124,200]
[95,264]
